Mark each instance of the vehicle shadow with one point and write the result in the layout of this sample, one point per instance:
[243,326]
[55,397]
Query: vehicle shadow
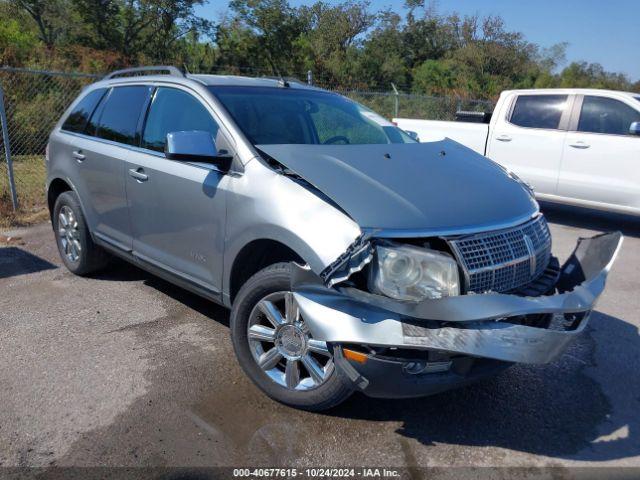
[591,219]
[121,271]
[15,261]
[583,406]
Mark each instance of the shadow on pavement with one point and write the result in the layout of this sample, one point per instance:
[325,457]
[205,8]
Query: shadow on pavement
[558,410]
[14,261]
[591,219]
[121,271]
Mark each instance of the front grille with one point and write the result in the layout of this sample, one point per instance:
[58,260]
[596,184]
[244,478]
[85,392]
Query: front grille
[506,259]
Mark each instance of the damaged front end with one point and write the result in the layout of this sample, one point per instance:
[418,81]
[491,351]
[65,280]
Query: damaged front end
[396,348]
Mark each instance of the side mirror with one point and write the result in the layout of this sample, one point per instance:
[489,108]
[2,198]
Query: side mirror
[196,146]
[413,135]
[634,129]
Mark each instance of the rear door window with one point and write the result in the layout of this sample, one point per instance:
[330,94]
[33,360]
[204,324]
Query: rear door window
[174,110]
[606,115]
[117,118]
[79,116]
[538,111]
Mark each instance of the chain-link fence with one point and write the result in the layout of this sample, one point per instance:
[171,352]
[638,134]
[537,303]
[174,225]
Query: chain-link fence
[35,100]
[406,105]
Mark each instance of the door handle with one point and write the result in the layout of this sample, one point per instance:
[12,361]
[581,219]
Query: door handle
[580,145]
[503,138]
[138,174]
[78,155]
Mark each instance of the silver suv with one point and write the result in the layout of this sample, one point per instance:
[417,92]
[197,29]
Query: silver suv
[352,257]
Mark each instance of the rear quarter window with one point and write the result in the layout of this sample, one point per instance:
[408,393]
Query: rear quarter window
[538,111]
[79,116]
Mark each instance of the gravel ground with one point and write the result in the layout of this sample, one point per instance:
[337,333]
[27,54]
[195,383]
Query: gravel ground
[125,369]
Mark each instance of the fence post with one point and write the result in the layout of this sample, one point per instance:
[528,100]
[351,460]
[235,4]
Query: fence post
[7,151]
[309,77]
[397,94]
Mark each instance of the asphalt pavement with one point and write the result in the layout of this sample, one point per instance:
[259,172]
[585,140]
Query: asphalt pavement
[126,369]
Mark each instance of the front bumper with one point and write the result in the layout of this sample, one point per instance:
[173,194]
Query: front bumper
[482,325]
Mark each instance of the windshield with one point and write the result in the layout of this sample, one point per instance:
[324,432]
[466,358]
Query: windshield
[270,116]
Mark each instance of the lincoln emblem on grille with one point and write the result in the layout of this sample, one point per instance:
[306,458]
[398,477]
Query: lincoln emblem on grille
[532,254]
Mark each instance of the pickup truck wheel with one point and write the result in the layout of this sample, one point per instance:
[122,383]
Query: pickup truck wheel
[275,348]
[77,250]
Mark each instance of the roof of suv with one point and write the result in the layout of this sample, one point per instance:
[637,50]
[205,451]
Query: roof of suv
[241,81]
[213,80]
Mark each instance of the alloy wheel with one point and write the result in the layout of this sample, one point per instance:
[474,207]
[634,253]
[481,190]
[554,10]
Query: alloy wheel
[283,347]
[69,234]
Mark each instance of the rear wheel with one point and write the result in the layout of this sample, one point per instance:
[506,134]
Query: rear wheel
[276,349]
[77,250]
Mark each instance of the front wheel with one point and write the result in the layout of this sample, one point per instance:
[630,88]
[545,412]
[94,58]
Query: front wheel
[276,349]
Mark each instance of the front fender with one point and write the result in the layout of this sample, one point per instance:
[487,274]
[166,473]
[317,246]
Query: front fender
[266,205]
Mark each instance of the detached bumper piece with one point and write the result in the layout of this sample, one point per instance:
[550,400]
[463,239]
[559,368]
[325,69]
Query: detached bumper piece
[502,327]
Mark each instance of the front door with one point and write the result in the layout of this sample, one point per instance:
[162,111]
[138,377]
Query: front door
[601,161]
[177,209]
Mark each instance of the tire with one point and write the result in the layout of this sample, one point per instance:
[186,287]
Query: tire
[310,393]
[77,250]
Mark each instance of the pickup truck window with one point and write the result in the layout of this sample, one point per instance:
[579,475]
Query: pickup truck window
[606,115]
[173,110]
[270,116]
[538,111]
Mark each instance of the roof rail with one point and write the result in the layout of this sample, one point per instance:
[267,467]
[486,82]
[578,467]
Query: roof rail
[285,79]
[168,69]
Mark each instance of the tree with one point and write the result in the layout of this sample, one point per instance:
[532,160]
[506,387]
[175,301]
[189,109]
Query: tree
[278,27]
[383,59]
[331,37]
[16,41]
[170,21]
[48,16]
[583,75]
[435,77]
[345,44]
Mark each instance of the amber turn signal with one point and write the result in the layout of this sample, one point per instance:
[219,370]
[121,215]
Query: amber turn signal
[355,356]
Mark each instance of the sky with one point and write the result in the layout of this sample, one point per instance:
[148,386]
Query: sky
[605,32]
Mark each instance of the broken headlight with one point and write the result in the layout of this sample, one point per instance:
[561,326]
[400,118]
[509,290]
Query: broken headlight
[410,273]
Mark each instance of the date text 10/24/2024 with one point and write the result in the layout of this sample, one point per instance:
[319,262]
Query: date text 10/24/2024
[315,472]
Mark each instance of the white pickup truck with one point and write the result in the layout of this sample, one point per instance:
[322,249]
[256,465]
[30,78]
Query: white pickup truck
[574,146]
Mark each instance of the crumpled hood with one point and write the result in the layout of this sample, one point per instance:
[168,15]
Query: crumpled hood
[437,186]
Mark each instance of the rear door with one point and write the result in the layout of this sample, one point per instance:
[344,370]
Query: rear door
[101,152]
[601,161]
[177,208]
[529,136]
